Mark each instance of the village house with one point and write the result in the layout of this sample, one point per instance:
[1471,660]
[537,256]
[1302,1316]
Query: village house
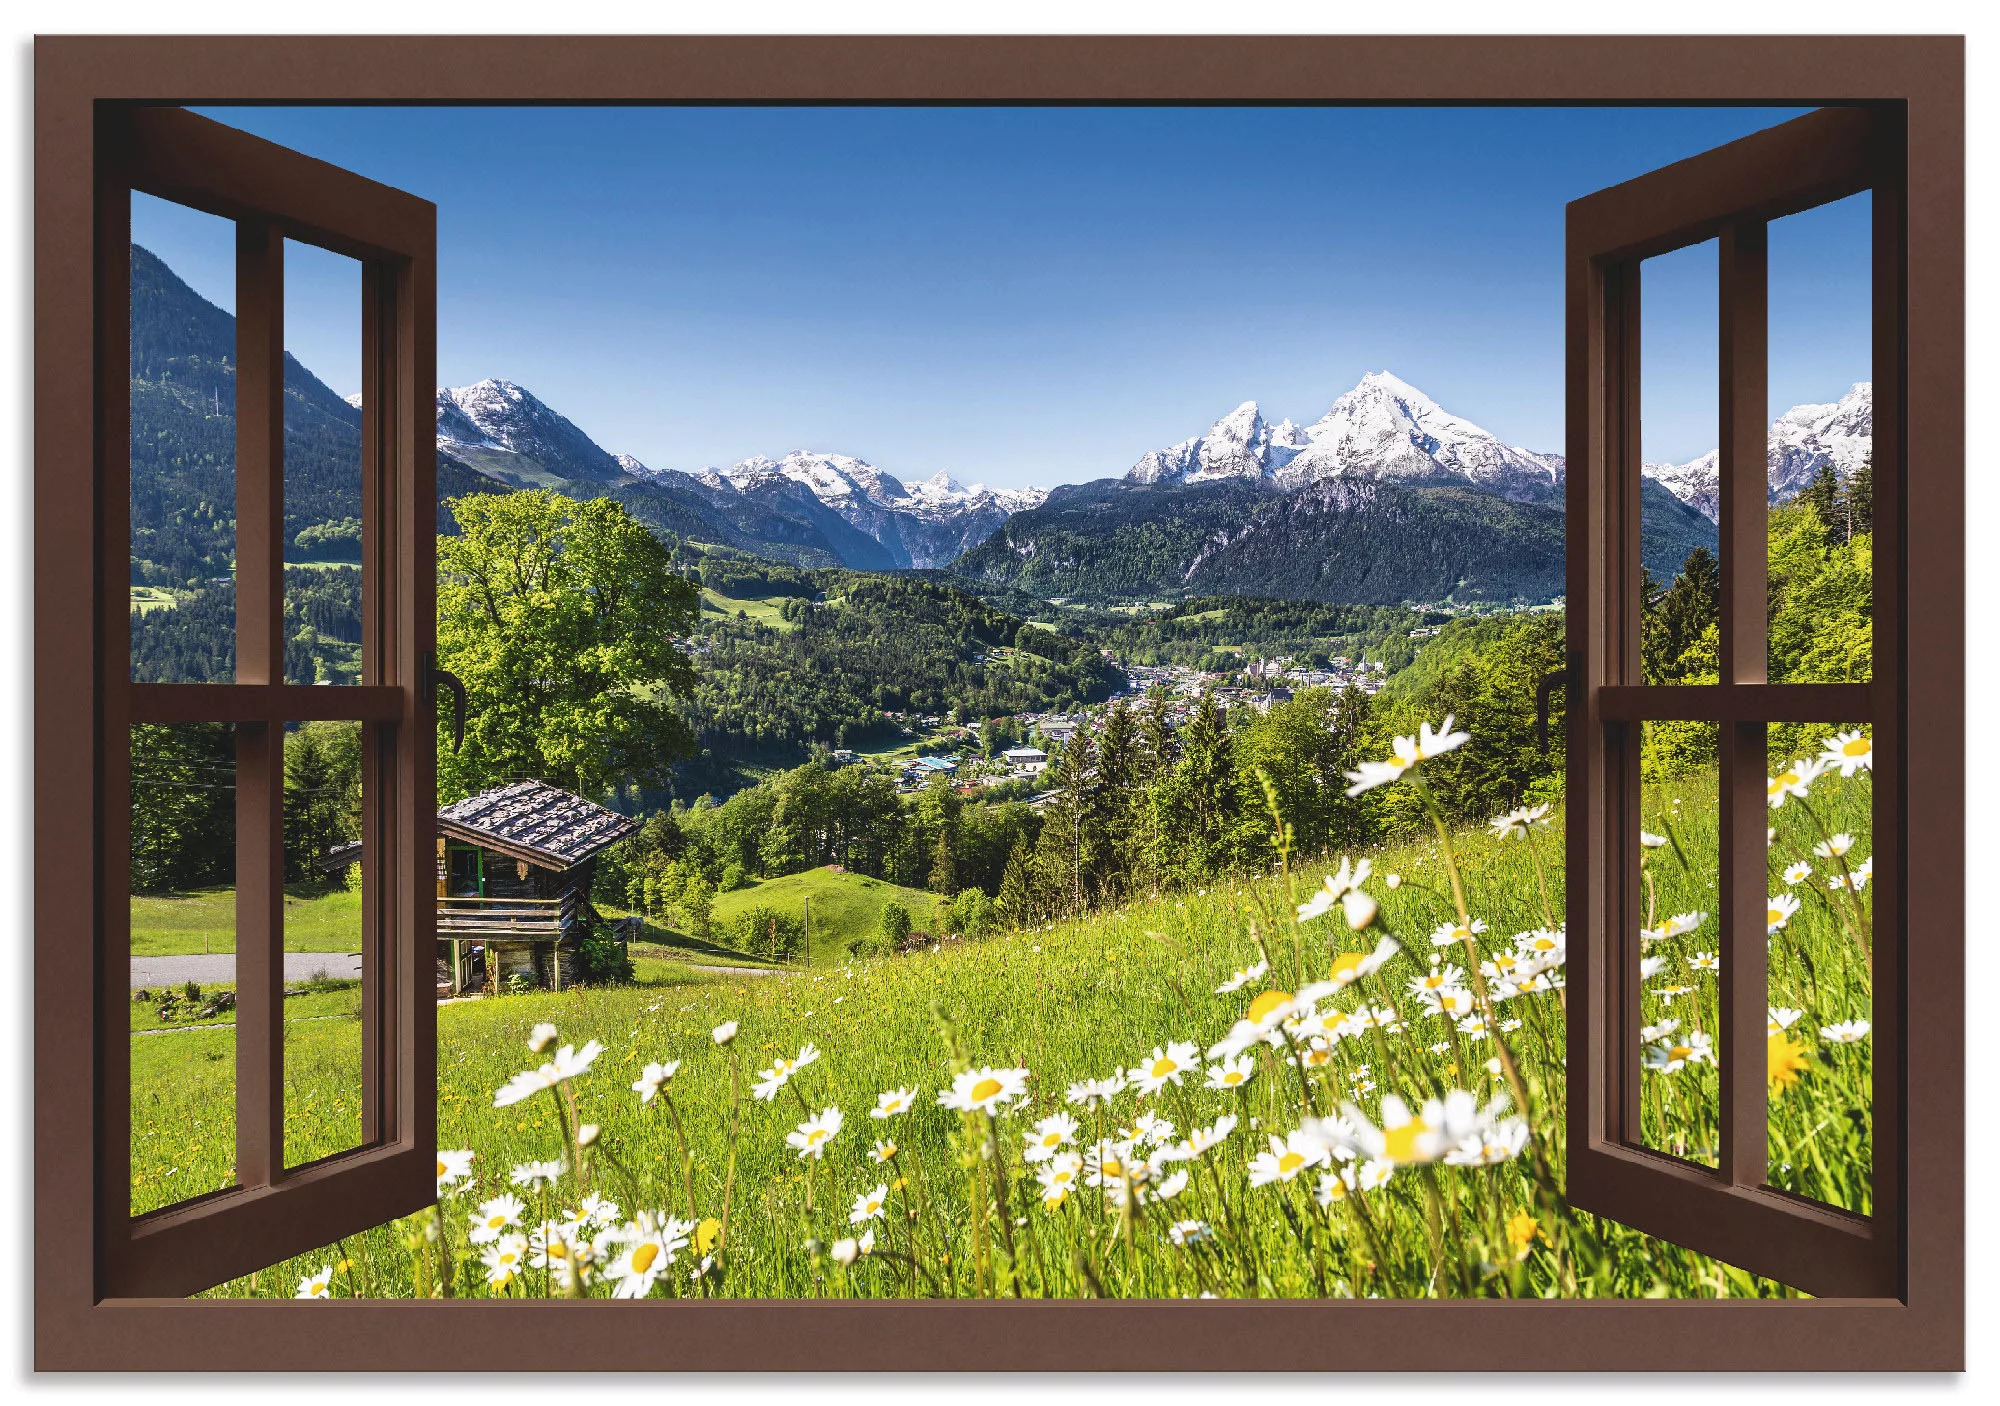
[514,869]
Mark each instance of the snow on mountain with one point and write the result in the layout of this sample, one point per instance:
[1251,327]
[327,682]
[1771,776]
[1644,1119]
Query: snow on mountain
[1802,441]
[499,428]
[1383,428]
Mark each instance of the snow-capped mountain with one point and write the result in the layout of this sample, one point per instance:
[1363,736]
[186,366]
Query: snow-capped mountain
[1383,428]
[502,430]
[1802,441]
[925,525]
[832,504]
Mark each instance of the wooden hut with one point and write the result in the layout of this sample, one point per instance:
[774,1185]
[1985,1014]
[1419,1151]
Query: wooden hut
[514,866]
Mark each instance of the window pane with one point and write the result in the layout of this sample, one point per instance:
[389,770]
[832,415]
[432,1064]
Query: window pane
[323,509]
[1679,1039]
[183,444]
[1821,445]
[1821,949]
[1678,368]
[324,985]
[183,968]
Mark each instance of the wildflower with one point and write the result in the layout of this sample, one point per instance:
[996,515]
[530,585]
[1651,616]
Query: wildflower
[1189,1232]
[1090,1091]
[812,1136]
[1496,1143]
[1202,1139]
[723,1033]
[1784,1061]
[781,1071]
[1779,912]
[503,1260]
[453,1167]
[984,1090]
[1781,1019]
[1650,967]
[869,1205]
[1163,1067]
[1797,873]
[586,1134]
[1232,1073]
[1393,882]
[1705,962]
[653,1078]
[1289,1155]
[569,1063]
[1449,934]
[1850,751]
[596,1210]
[531,1174]
[649,1244]
[1855,881]
[318,1285]
[1515,824]
[846,1251]
[895,1101]
[1545,946]
[882,1151]
[541,1037]
[1847,1032]
[1359,909]
[500,1214]
[1058,1177]
[1835,847]
[1406,753]
[1648,840]
[1670,1057]
[1242,978]
[1049,1136]
[1450,1001]
[1795,780]
[1150,1127]
[1522,1229]
[1405,1137]
[1350,967]
[1437,979]
[1335,887]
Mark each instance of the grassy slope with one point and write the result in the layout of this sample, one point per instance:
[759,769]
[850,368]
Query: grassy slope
[315,921]
[844,906]
[1074,1000]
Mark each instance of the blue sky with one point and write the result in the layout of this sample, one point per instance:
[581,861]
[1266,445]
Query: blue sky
[1028,295]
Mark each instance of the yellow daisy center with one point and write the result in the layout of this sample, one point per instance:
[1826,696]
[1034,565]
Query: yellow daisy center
[643,1257]
[1859,747]
[1267,1003]
[1163,1067]
[1680,1052]
[816,1135]
[1400,1143]
[1114,1168]
[442,1168]
[985,1089]
[1774,915]
[1290,1162]
[1232,1077]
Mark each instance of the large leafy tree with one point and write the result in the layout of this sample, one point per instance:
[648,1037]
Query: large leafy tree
[564,620]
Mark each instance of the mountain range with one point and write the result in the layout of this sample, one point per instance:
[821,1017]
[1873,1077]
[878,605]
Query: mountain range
[1802,441]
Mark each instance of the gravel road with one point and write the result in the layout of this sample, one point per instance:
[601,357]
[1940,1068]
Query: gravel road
[221,966]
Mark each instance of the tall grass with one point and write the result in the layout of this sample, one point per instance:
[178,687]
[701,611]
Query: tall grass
[704,1176]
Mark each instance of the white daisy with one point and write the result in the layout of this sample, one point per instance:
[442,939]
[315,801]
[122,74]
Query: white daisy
[1335,887]
[532,1174]
[811,1137]
[1049,1136]
[1847,1032]
[1452,934]
[503,1260]
[453,1167]
[1779,912]
[653,1078]
[1242,978]
[869,1205]
[1797,873]
[723,1033]
[1515,824]
[1232,1073]
[771,1080]
[1297,1151]
[647,1247]
[318,1285]
[1850,751]
[1795,780]
[569,1063]
[892,1103]
[541,1037]
[1835,847]
[1164,1066]
[984,1089]
[496,1217]
[1095,1091]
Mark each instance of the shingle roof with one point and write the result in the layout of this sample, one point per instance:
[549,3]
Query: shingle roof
[533,820]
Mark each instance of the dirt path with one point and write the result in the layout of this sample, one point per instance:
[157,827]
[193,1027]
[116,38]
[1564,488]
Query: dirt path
[212,967]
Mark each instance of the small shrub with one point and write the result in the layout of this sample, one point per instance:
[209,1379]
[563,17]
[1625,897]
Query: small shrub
[895,923]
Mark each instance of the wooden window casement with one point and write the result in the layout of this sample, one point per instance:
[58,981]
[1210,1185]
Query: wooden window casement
[272,196]
[1729,195]
[109,1287]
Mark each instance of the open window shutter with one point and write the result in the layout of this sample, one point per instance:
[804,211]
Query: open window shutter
[273,194]
[1728,194]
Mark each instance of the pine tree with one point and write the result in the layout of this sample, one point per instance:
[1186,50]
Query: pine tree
[1116,802]
[1857,500]
[1016,900]
[1823,496]
[1677,619]
[313,802]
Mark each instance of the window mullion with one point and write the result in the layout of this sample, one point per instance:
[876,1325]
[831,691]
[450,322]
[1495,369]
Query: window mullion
[1743,373]
[260,659]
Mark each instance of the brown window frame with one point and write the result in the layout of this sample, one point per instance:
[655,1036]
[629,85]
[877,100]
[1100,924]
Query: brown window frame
[1728,194]
[1918,1323]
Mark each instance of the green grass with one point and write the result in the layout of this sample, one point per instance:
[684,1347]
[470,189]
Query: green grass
[151,598]
[844,906]
[1079,999]
[316,1001]
[205,921]
[759,610]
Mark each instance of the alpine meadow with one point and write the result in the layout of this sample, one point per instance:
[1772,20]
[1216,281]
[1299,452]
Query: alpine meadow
[1150,885]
